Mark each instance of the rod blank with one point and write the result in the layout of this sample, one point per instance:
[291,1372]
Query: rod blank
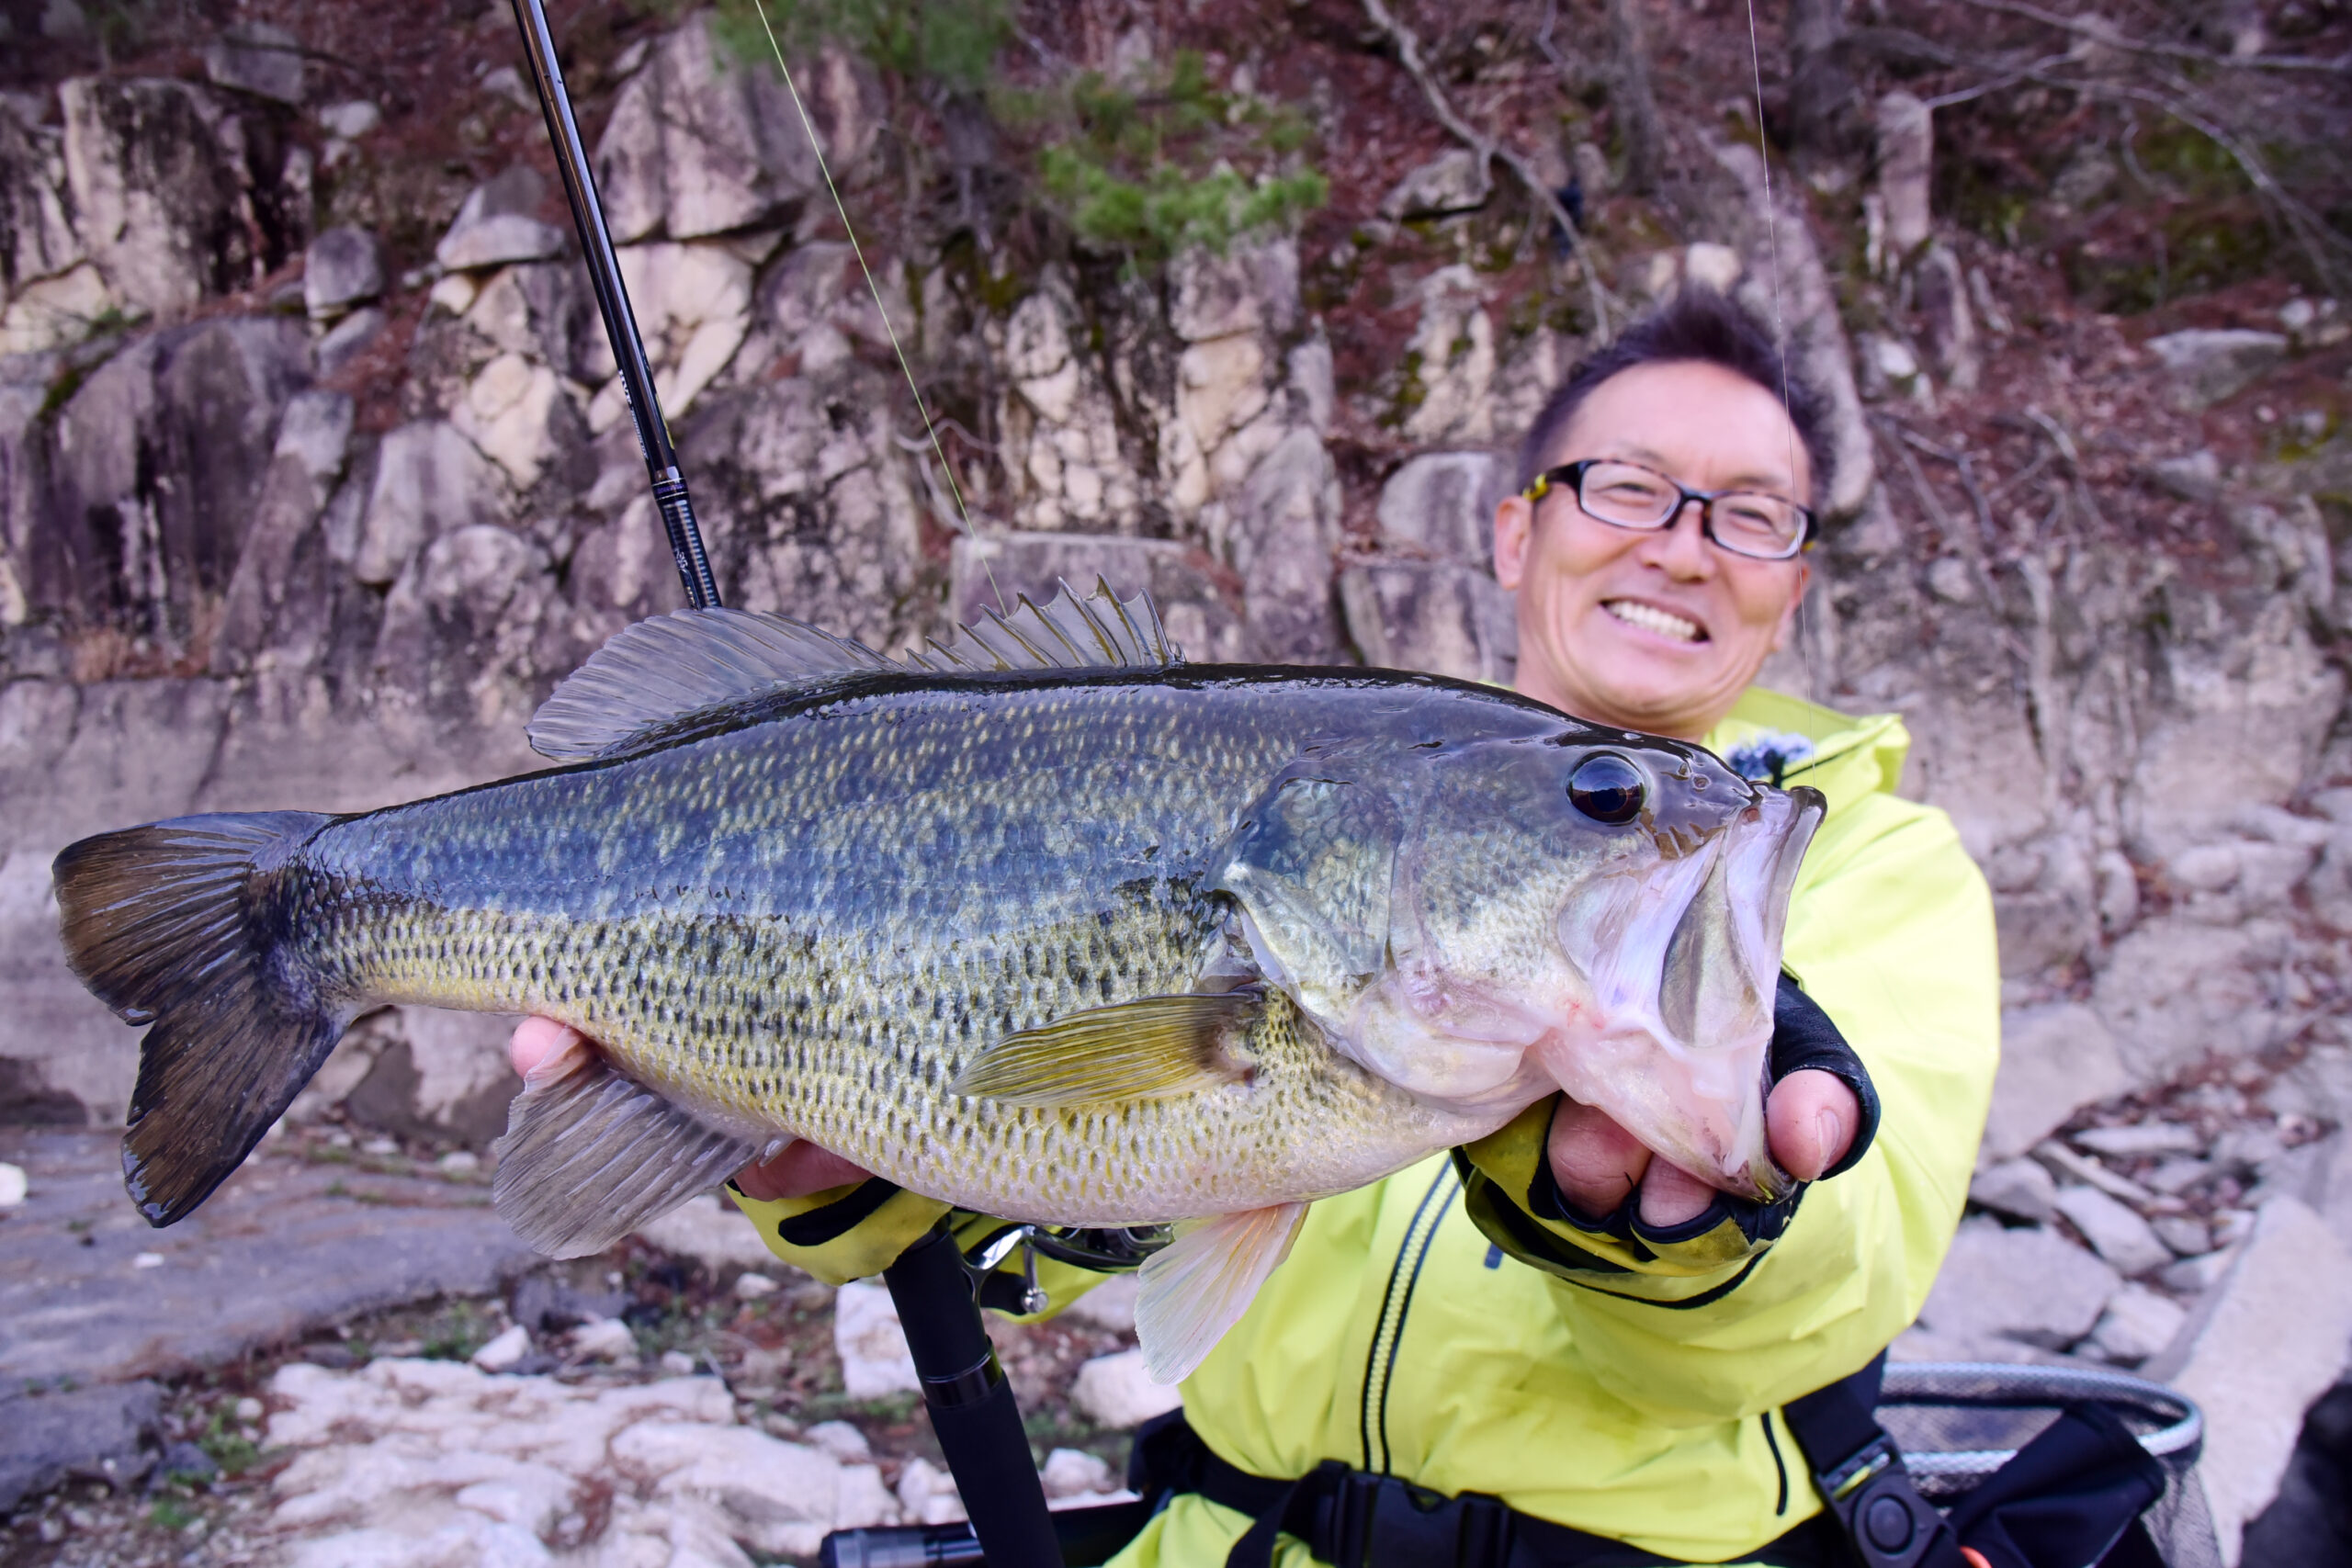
[670,496]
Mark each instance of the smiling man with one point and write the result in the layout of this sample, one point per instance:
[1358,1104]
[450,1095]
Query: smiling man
[1587,1350]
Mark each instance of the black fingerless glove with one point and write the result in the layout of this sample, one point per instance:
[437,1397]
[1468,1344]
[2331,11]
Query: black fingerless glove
[1543,1229]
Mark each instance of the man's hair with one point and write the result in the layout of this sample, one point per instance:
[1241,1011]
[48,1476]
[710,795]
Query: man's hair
[1697,326]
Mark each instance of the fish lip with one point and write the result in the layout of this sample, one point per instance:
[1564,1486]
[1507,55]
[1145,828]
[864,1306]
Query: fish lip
[1767,844]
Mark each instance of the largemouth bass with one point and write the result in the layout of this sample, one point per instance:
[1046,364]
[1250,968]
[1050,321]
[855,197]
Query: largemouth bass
[1048,924]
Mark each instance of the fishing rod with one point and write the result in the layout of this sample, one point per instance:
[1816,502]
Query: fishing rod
[964,1389]
[670,496]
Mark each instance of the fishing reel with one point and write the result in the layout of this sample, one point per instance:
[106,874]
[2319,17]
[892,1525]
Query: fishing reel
[1106,1249]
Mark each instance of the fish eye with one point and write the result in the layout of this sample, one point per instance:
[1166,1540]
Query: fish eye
[1608,788]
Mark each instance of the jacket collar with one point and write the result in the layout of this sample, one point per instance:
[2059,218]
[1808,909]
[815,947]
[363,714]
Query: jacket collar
[1851,757]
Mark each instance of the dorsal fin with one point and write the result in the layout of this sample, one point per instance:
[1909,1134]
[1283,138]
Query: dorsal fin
[1094,632]
[666,666]
[661,669]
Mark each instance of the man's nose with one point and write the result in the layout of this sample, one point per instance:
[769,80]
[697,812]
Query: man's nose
[1679,548]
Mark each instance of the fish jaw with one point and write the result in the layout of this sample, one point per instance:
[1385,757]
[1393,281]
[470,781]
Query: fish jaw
[1684,965]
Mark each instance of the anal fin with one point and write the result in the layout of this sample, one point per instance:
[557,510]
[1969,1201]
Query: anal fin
[1151,1048]
[1200,1284]
[590,1155]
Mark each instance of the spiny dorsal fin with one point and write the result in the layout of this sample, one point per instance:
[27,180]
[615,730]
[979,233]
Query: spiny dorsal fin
[688,661]
[1094,632]
[663,669]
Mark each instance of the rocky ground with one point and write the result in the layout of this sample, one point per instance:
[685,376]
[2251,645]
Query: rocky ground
[314,481]
[684,1399]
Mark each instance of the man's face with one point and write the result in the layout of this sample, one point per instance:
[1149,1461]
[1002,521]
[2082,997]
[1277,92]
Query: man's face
[1657,630]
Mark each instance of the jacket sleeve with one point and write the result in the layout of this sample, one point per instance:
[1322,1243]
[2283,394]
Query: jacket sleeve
[1894,938]
[857,1230]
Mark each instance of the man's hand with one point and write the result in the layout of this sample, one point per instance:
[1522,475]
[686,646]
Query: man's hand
[1810,1119]
[800,1169]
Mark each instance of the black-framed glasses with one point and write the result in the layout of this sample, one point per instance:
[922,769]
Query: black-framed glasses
[1627,495]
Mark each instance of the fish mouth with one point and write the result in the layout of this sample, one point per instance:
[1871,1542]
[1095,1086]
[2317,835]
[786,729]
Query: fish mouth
[1684,962]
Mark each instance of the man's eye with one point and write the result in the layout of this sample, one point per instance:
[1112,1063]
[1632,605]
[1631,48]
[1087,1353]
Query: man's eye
[1631,490]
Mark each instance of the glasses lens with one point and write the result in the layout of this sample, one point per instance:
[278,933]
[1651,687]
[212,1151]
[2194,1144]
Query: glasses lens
[1756,525]
[1622,493]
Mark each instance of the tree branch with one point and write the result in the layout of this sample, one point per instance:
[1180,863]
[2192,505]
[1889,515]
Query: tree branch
[1408,54]
[2101,30]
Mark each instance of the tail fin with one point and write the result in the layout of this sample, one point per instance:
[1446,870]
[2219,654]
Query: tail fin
[172,925]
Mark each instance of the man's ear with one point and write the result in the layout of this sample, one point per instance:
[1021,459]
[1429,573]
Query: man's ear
[1788,615]
[1514,531]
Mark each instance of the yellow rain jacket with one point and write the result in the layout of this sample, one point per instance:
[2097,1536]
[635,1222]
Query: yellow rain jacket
[1470,1347]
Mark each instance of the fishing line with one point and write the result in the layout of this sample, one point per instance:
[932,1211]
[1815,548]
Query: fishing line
[931,430]
[1779,326]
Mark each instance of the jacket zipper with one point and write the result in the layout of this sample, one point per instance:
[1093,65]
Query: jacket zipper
[1396,1302]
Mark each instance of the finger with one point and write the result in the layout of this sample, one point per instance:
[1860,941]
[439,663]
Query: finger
[1671,1195]
[801,1169]
[536,1039]
[1596,1162]
[1810,1121]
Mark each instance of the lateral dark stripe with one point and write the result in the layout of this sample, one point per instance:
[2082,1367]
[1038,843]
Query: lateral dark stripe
[837,1219]
[1404,1311]
[1380,1325]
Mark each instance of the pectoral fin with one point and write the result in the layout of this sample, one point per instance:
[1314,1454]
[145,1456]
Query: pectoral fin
[1151,1048]
[1199,1286]
[590,1155]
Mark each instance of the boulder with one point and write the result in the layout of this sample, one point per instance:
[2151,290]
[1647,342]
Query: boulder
[698,143]
[2140,1139]
[166,194]
[49,1436]
[259,59]
[2211,364]
[2022,1189]
[1111,1305]
[351,119]
[1115,1391]
[55,312]
[694,307]
[349,338]
[1451,362]
[429,479]
[2055,1059]
[1074,1472]
[1456,181]
[2115,1231]
[711,1231]
[133,542]
[2030,1285]
[1442,504]
[874,1360]
[2137,1324]
[1435,616]
[2264,1344]
[1905,166]
[37,238]
[342,269]
[2193,476]
[927,1494]
[1286,530]
[498,223]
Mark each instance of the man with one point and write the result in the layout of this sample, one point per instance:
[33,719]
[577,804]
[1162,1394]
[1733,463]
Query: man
[1555,1317]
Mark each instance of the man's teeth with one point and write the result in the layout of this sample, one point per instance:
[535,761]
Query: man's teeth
[1650,619]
